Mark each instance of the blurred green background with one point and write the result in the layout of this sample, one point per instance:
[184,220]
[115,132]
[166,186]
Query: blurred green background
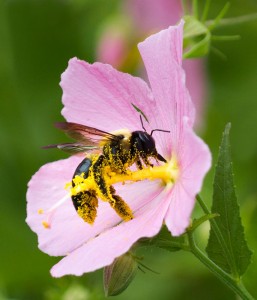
[37,38]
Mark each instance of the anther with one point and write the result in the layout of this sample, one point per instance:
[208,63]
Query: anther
[46,225]
[49,213]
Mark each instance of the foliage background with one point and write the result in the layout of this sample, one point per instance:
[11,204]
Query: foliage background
[37,38]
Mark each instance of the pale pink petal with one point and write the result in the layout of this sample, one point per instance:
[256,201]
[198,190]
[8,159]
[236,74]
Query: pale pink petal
[68,231]
[196,83]
[102,250]
[44,190]
[99,96]
[162,55]
[152,15]
[195,160]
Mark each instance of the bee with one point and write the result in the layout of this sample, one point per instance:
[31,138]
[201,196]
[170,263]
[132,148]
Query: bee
[117,151]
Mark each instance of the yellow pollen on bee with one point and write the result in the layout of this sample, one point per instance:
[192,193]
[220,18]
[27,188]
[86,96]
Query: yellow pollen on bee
[167,173]
[81,184]
[77,179]
[68,185]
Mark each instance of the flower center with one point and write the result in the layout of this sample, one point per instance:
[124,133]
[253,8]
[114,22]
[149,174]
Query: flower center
[167,173]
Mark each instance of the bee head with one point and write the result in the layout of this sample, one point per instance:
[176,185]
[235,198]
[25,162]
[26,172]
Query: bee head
[144,142]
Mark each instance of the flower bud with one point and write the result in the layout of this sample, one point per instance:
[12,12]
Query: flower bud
[197,38]
[119,274]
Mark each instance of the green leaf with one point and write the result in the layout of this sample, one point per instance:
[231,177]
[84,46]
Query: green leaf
[165,241]
[227,246]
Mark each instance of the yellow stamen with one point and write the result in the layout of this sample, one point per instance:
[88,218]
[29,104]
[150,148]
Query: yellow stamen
[49,213]
[46,224]
[167,173]
[40,211]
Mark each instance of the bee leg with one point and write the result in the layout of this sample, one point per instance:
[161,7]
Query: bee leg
[146,161]
[138,148]
[116,202]
[86,204]
[97,169]
[159,157]
[139,164]
[121,207]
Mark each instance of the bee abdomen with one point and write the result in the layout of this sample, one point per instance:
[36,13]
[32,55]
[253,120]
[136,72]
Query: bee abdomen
[97,170]
[85,202]
[83,168]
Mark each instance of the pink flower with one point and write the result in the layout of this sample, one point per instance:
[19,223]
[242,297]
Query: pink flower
[113,45]
[152,15]
[146,17]
[99,96]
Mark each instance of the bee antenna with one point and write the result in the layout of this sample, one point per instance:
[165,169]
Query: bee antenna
[159,130]
[142,123]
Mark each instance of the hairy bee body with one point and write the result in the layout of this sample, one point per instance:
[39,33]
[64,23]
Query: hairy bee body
[118,155]
[119,150]
[85,202]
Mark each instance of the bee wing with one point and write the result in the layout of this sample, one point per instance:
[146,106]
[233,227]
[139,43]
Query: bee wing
[88,136]
[72,148]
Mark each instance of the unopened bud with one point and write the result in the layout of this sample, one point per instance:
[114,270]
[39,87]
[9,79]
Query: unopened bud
[197,38]
[119,274]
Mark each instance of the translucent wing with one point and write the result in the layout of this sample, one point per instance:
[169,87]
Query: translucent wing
[88,136]
[72,148]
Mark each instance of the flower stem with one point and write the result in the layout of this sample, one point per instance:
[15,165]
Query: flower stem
[234,21]
[235,286]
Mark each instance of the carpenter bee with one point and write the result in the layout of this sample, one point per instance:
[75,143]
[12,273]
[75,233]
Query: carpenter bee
[117,151]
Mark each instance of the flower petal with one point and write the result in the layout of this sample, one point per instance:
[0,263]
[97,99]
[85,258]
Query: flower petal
[196,84]
[68,231]
[44,190]
[102,250]
[99,96]
[150,15]
[195,160]
[162,55]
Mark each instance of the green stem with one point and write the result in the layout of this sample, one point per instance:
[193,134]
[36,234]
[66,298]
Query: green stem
[219,237]
[235,286]
[195,8]
[225,37]
[219,17]
[205,10]
[234,21]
